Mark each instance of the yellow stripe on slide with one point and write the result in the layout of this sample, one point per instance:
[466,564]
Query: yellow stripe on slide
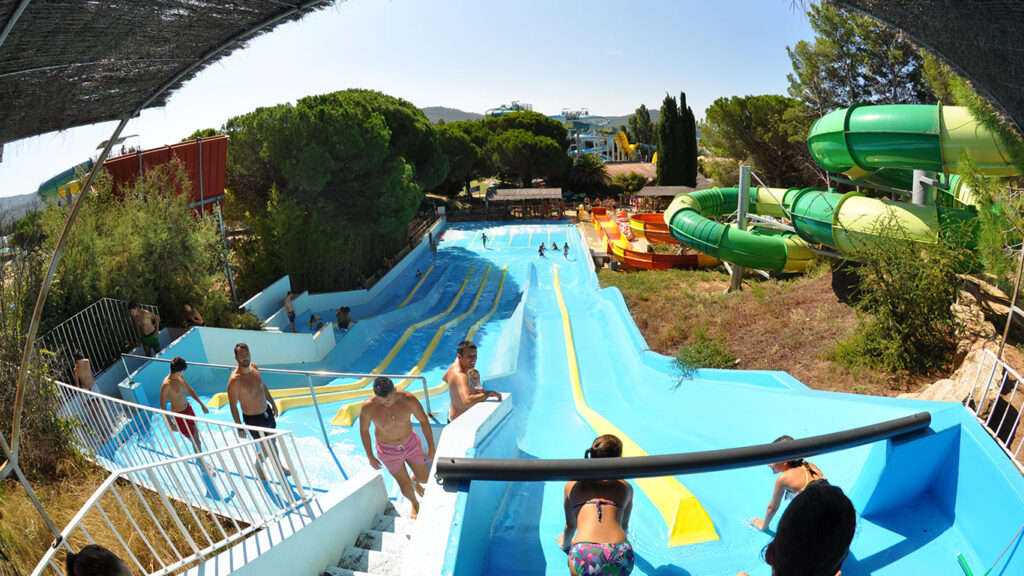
[416,287]
[687,521]
[349,412]
[337,392]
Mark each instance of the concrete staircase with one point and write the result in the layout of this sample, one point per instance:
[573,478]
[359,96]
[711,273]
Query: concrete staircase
[378,549]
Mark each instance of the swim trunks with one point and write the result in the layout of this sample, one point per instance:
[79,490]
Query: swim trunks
[185,426]
[394,457]
[264,420]
[151,340]
[591,559]
[291,316]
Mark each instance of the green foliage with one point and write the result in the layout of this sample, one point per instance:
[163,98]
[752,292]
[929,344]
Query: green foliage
[1000,202]
[145,246]
[463,143]
[28,232]
[46,440]
[588,175]
[520,155]
[626,183]
[671,145]
[854,59]
[349,170]
[689,129]
[703,352]
[757,130]
[642,130]
[203,133]
[724,172]
[908,289]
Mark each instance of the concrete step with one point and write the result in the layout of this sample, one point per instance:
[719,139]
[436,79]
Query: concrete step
[335,571]
[382,541]
[372,562]
[396,524]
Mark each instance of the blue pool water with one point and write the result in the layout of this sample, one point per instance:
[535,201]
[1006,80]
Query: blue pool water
[921,502]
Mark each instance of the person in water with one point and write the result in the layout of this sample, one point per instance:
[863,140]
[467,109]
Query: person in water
[597,518]
[540,250]
[794,477]
[814,533]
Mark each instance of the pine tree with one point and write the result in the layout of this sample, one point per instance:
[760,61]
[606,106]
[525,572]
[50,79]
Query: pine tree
[671,159]
[689,130]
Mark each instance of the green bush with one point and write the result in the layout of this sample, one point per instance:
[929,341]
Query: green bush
[907,292]
[142,245]
[702,353]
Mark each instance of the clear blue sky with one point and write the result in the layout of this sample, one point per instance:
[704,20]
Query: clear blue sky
[606,55]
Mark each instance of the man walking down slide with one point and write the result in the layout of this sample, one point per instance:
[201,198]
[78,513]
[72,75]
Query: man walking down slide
[246,389]
[397,442]
[174,390]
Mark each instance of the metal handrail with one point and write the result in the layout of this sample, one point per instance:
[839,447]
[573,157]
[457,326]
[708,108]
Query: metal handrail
[1001,372]
[312,389]
[673,464]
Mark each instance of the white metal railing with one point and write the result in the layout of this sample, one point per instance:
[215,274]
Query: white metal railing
[308,376]
[102,331]
[992,401]
[202,502]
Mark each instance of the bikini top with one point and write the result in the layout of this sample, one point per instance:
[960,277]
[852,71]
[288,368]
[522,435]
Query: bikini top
[599,502]
[808,479]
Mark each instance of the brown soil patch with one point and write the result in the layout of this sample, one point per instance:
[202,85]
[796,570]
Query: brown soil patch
[789,324]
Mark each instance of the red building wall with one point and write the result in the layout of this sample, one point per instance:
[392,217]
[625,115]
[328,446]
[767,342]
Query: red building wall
[212,152]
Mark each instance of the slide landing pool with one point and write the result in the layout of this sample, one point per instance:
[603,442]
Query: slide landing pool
[575,364]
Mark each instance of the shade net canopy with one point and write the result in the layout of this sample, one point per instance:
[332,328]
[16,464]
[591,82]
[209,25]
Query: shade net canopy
[67,63]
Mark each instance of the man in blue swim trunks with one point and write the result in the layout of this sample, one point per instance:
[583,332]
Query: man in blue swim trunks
[246,389]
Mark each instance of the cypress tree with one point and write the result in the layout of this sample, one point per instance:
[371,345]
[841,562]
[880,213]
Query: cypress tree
[671,159]
[689,129]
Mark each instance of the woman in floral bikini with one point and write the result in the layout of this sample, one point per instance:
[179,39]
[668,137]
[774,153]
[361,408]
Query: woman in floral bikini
[596,519]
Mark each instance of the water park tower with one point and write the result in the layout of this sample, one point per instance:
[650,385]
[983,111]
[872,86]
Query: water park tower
[502,110]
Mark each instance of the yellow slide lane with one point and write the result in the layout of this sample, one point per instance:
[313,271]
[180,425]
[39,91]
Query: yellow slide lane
[221,398]
[349,412]
[416,287]
[285,394]
[346,391]
[687,521]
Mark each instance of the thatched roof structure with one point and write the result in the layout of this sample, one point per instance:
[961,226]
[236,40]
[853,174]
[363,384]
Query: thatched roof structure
[645,169]
[981,41]
[502,194]
[76,62]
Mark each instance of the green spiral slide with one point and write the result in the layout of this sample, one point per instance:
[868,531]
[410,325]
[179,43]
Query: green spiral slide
[855,141]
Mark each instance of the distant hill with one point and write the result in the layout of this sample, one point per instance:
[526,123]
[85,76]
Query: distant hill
[617,121]
[14,208]
[435,113]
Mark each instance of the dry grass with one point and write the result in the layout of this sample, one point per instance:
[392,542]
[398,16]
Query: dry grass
[24,537]
[789,324]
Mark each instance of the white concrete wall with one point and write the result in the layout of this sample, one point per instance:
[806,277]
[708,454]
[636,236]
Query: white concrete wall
[267,347]
[305,543]
[439,515]
[264,304]
[276,318]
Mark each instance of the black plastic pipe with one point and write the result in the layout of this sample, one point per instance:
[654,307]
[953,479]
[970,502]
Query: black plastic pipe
[673,464]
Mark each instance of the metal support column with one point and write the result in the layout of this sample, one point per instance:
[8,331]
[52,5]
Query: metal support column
[741,222]
[227,261]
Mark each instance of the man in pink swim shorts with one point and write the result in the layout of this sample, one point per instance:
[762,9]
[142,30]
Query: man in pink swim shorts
[397,443]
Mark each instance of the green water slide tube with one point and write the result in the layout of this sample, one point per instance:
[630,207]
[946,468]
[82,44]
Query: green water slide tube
[855,141]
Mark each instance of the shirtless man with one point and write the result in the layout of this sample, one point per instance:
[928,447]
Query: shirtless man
[84,378]
[192,316]
[397,443]
[173,390]
[289,309]
[464,394]
[246,388]
[147,327]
